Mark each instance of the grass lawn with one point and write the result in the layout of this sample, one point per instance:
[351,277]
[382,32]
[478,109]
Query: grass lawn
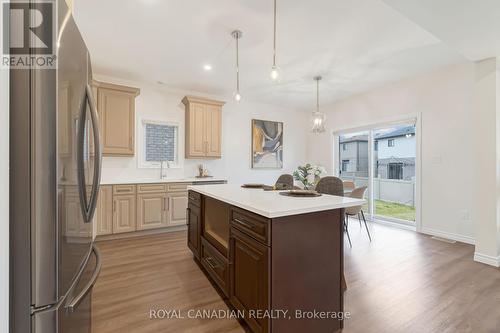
[395,210]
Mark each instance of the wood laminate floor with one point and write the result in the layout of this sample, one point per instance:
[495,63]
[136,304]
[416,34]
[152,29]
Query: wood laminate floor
[401,282]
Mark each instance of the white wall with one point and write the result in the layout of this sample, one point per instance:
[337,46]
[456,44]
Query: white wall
[158,103]
[487,139]
[444,98]
[4,194]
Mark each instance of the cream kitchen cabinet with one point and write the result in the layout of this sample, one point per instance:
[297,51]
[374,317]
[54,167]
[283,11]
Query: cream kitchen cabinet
[116,109]
[124,213]
[104,211]
[133,209]
[177,204]
[152,211]
[203,127]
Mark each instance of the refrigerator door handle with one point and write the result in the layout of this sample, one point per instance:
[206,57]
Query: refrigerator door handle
[88,208]
[73,305]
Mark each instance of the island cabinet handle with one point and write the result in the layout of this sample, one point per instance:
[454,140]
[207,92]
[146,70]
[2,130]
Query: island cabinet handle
[187,214]
[211,262]
[245,223]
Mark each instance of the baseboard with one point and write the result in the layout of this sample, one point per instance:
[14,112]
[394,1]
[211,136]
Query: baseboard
[141,233]
[486,259]
[449,235]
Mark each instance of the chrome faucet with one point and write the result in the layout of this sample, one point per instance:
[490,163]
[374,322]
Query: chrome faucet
[163,176]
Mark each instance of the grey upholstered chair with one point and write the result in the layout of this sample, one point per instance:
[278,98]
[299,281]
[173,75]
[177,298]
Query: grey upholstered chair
[357,193]
[285,182]
[333,186]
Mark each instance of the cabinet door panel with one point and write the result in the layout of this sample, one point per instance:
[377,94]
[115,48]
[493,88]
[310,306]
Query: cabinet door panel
[117,115]
[213,125]
[151,211]
[249,273]
[197,130]
[104,211]
[124,218]
[177,204]
[194,225]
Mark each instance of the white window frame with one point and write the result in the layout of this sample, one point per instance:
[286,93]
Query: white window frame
[143,164]
[371,127]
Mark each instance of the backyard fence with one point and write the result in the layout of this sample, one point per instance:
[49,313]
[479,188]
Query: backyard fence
[391,190]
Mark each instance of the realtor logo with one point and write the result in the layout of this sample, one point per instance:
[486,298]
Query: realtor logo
[31,30]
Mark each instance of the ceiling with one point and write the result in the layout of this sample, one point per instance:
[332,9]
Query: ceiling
[472,27]
[355,45]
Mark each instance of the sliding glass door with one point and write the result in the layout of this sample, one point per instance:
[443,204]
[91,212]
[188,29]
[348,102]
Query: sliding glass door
[394,160]
[382,158]
[354,162]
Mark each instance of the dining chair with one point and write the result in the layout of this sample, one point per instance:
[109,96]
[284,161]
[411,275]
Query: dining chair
[349,185]
[357,193]
[284,182]
[333,186]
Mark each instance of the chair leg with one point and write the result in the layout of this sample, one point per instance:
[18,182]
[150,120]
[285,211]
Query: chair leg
[348,237]
[359,219]
[346,223]
[366,226]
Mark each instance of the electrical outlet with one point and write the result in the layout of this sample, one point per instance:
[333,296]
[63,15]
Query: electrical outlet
[464,215]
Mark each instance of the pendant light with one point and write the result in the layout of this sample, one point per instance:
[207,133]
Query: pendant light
[275,70]
[318,118]
[237,34]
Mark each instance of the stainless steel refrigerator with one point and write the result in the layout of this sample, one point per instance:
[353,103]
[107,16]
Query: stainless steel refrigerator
[55,159]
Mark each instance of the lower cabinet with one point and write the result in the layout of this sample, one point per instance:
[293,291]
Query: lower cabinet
[126,208]
[124,213]
[216,265]
[177,203]
[194,231]
[152,211]
[104,211]
[249,267]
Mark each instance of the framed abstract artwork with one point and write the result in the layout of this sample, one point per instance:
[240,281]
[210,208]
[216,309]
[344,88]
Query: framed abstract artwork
[267,144]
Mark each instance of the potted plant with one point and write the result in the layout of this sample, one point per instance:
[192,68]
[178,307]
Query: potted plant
[309,175]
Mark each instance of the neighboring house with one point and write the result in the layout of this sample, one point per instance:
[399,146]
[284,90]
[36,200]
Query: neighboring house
[354,156]
[396,154]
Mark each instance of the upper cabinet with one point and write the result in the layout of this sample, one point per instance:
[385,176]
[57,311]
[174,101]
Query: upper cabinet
[203,127]
[116,108]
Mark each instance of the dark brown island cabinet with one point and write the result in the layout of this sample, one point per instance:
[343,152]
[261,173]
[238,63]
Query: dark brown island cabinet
[284,274]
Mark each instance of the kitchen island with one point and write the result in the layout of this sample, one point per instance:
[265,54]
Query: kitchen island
[277,259]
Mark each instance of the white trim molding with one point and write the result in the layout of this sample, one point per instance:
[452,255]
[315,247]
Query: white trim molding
[486,259]
[448,235]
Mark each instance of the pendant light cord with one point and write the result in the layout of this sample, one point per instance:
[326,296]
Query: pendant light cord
[237,64]
[317,95]
[274,40]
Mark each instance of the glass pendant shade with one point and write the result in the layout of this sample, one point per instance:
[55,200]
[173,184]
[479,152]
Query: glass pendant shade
[275,73]
[237,96]
[318,120]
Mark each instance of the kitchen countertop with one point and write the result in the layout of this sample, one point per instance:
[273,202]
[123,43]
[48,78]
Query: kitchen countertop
[270,203]
[161,181]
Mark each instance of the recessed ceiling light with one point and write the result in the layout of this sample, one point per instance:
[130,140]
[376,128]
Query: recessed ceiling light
[207,67]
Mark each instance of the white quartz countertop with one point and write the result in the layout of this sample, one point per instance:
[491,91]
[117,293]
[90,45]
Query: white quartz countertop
[161,181]
[270,203]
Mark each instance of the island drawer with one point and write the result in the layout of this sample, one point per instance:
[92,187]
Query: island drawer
[194,198]
[252,224]
[216,265]
[151,188]
[123,189]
